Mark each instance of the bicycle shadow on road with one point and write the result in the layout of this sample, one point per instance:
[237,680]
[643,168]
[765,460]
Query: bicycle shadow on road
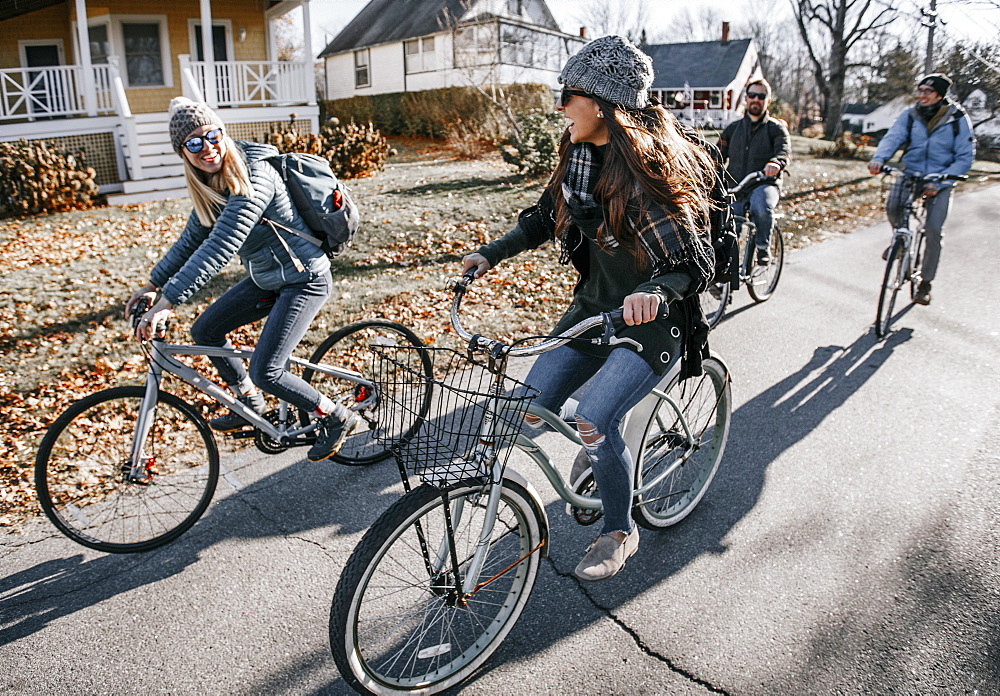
[762,429]
[296,501]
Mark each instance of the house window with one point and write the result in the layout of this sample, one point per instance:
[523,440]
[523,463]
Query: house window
[419,55]
[476,45]
[143,53]
[100,47]
[362,77]
[716,100]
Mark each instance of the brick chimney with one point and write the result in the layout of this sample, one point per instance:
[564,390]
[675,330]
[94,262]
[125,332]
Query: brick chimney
[583,32]
[725,32]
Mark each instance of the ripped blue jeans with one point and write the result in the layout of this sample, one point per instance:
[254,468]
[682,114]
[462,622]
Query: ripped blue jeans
[620,381]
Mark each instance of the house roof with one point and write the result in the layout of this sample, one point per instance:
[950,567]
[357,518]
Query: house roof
[860,109]
[700,64]
[383,21]
[15,8]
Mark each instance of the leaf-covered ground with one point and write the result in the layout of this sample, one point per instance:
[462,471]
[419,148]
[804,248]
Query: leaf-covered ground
[65,277]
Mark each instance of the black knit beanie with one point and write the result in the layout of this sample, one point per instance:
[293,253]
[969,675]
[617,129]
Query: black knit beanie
[613,69]
[936,81]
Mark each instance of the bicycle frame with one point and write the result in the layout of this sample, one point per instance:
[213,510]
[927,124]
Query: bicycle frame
[632,430]
[161,360]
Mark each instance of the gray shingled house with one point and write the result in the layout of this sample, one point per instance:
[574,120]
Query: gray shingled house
[703,81]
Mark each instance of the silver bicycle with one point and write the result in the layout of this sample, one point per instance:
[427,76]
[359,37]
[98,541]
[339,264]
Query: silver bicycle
[131,468]
[439,580]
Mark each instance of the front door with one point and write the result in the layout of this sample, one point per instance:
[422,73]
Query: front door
[45,88]
[223,79]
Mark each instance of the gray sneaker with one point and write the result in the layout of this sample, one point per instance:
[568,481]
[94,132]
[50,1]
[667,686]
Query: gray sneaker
[606,556]
[581,467]
[331,435]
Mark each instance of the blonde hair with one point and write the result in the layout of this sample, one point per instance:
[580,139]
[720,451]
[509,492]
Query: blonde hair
[209,191]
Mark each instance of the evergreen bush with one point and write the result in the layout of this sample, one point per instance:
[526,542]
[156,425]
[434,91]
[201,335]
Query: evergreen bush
[535,151]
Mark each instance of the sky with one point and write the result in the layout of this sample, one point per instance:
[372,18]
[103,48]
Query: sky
[964,19]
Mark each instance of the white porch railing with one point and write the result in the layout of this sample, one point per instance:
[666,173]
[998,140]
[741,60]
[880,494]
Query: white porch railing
[250,82]
[45,92]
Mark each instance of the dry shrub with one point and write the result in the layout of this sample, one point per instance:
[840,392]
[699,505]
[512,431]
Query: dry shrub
[35,179]
[353,150]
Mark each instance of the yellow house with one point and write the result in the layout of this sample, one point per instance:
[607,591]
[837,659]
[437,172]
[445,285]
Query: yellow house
[103,85]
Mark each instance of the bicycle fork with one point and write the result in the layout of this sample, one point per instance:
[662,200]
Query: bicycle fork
[141,466]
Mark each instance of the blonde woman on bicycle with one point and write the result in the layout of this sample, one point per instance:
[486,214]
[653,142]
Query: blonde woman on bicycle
[236,192]
[628,205]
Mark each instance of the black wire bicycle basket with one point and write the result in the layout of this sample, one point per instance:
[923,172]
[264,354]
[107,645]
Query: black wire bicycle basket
[469,426]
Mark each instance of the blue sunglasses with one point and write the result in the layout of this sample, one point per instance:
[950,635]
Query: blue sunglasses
[195,144]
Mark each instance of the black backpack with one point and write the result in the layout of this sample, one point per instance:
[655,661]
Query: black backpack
[725,242]
[320,198]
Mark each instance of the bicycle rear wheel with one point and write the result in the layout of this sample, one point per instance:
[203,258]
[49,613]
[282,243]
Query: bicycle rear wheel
[349,348]
[892,281]
[82,471]
[764,279]
[397,624]
[684,449]
[713,303]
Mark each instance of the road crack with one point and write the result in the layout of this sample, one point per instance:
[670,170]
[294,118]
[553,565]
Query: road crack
[634,635]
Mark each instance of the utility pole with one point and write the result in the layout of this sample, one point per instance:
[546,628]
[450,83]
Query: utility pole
[930,22]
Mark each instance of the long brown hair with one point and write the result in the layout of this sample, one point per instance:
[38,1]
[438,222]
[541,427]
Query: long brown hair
[647,154]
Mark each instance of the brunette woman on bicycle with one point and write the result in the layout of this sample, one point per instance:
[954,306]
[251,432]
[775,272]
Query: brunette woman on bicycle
[628,204]
[236,192]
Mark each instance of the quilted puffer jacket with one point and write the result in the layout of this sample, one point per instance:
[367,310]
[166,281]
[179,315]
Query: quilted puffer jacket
[946,145]
[201,251]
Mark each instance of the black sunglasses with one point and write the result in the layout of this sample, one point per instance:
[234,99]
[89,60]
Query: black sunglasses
[195,144]
[563,95]
[757,95]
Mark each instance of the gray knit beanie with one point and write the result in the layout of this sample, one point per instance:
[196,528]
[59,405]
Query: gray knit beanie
[613,69]
[185,116]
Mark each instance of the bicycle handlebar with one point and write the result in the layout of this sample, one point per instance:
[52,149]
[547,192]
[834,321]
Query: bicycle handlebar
[612,322]
[751,178]
[141,306]
[887,169]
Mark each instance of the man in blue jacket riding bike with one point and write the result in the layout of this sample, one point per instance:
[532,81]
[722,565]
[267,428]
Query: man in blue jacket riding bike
[936,138]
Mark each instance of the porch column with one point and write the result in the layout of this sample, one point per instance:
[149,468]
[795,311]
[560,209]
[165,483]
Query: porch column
[307,49]
[208,50]
[83,43]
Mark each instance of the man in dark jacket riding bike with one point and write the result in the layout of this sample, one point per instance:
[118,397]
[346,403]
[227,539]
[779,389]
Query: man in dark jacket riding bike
[757,142]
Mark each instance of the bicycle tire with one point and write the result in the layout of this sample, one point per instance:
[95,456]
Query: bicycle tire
[83,490]
[394,628]
[349,347]
[764,279]
[712,306]
[916,275]
[891,282]
[706,403]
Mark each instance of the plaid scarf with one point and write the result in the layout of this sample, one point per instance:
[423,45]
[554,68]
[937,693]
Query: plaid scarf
[667,245]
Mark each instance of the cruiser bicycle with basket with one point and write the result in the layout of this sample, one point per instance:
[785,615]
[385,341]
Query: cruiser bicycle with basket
[439,580]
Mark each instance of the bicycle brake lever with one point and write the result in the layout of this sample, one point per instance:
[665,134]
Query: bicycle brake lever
[615,340]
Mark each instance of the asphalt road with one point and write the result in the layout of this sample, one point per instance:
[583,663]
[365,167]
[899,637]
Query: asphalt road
[848,544]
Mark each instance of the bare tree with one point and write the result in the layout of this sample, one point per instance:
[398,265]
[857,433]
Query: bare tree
[704,24]
[830,29]
[628,18]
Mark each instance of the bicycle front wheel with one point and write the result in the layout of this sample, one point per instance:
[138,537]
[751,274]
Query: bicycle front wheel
[83,474]
[714,301]
[681,451]
[349,348]
[891,282]
[920,243]
[397,624]
[764,279]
